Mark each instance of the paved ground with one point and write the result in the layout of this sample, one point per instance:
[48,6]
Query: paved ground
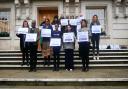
[64,87]
[93,73]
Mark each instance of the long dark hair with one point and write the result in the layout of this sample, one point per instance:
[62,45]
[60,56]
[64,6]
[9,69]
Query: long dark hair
[66,30]
[85,21]
[96,17]
[97,21]
[57,21]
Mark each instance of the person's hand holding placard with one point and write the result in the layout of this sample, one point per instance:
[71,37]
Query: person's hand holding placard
[78,27]
[22,31]
[96,29]
[46,32]
[55,42]
[82,37]
[73,22]
[64,22]
[31,37]
[68,37]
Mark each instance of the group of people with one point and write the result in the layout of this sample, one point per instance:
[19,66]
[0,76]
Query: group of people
[84,46]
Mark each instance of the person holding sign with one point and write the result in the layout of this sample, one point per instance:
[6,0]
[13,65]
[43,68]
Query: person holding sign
[95,30]
[43,21]
[83,40]
[46,35]
[61,23]
[33,47]
[68,44]
[56,48]
[55,20]
[24,45]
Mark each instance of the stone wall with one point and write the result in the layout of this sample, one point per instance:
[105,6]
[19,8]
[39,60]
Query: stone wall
[116,17]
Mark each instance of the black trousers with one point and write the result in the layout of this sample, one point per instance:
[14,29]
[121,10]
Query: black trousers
[56,61]
[25,54]
[33,55]
[84,53]
[69,64]
[95,43]
[56,54]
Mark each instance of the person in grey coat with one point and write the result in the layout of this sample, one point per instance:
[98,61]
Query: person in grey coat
[84,47]
[69,49]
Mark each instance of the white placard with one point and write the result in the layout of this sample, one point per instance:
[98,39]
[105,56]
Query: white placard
[81,17]
[53,26]
[78,21]
[40,27]
[82,37]
[22,31]
[64,22]
[96,29]
[78,27]
[59,28]
[114,46]
[31,37]
[68,37]
[101,47]
[45,32]
[55,42]
[73,21]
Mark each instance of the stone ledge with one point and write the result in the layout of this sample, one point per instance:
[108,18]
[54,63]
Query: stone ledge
[66,79]
[105,37]
[63,81]
[5,38]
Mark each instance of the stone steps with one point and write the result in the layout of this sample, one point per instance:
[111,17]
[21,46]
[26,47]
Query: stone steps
[63,81]
[108,58]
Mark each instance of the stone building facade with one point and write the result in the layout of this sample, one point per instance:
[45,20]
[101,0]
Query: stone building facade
[113,16]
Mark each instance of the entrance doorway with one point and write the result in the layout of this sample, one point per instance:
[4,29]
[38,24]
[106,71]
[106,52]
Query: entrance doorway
[49,12]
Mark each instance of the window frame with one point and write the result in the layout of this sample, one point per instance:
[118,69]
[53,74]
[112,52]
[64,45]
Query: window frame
[11,7]
[105,19]
[7,10]
[108,5]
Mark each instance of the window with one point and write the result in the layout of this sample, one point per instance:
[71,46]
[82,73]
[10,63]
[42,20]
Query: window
[101,14]
[4,23]
[72,9]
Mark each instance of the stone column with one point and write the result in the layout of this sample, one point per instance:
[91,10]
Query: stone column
[117,6]
[27,8]
[126,8]
[18,9]
[67,7]
[77,7]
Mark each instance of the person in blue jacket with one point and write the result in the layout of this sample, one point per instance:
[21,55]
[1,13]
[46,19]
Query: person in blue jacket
[56,49]
[46,43]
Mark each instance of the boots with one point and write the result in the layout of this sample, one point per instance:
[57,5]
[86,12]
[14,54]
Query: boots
[47,61]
